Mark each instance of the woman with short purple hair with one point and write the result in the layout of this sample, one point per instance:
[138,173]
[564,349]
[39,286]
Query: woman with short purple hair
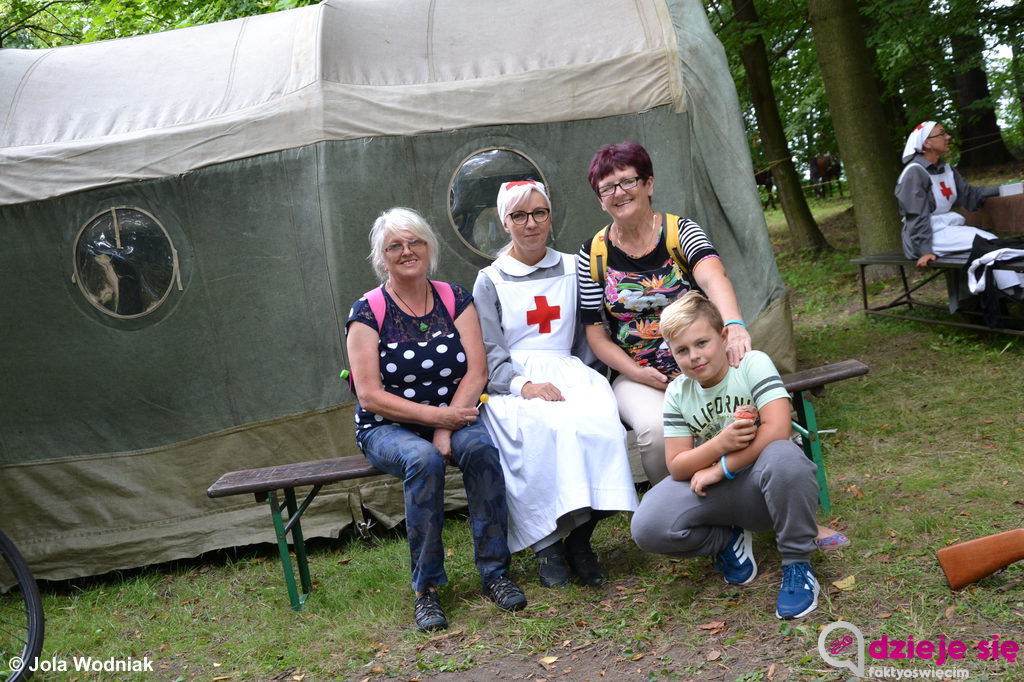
[624,289]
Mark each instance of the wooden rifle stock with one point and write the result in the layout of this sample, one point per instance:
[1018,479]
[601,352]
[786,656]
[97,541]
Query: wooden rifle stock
[975,559]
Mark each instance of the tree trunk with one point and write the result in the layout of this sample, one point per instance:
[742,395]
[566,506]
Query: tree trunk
[872,165]
[893,105]
[981,142]
[803,230]
[1017,67]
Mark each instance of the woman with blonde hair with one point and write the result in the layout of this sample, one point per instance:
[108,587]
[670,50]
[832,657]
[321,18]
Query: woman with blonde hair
[553,418]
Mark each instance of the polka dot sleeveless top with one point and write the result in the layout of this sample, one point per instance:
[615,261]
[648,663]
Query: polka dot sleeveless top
[421,358]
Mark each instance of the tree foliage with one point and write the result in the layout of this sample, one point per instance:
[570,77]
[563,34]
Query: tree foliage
[52,23]
[796,81]
[910,42]
[804,231]
[844,58]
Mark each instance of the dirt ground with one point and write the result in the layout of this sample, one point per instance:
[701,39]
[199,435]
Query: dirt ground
[591,661]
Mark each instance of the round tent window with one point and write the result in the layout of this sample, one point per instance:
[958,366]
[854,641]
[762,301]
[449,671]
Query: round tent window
[125,264]
[473,191]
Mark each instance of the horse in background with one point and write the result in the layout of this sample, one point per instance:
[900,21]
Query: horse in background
[763,178]
[825,170]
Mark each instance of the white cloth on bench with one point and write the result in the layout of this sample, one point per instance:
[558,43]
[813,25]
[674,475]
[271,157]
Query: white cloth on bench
[1008,281]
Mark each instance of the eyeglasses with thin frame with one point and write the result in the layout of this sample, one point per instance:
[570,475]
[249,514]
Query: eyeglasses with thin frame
[397,247]
[942,134]
[624,183]
[540,215]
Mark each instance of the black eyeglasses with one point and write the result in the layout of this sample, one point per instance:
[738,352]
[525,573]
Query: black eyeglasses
[624,183]
[540,215]
[942,134]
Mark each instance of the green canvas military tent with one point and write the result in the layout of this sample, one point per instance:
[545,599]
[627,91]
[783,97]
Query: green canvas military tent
[185,220]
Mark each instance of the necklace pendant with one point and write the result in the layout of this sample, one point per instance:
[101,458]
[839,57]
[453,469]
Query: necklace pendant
[423,326]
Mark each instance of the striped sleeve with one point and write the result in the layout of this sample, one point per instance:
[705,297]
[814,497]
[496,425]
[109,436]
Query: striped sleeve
[694,242]
[591,296]
[764,380]
[766,387]
[672,414]
[675,425]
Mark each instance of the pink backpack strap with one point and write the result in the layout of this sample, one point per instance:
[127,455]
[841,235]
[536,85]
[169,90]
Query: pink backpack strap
[444,290]
[375,297]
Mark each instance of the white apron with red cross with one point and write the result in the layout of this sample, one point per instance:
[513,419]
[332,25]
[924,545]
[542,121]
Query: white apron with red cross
[950,232]
[557,457]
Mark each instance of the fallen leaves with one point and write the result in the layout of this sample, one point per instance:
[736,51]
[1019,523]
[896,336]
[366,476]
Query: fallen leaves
[714,627]
[439,638]
[845,584]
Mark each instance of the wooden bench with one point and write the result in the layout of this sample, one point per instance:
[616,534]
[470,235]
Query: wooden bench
[265,483]
[906,300]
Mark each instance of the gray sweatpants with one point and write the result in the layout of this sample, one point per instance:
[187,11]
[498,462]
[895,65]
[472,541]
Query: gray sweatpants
[777,492]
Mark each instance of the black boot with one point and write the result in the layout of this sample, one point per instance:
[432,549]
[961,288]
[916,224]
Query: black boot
[581,556]
[552,567]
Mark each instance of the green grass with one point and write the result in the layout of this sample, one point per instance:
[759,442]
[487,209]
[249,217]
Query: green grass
[927,451]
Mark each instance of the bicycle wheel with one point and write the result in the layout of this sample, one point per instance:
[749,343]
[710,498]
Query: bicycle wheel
[21,614]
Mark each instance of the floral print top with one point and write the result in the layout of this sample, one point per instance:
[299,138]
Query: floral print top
[636,290]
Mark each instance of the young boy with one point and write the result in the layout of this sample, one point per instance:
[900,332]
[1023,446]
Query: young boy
[729,475]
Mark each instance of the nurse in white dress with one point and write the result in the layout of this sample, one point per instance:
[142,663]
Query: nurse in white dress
[553,418]
[927,191]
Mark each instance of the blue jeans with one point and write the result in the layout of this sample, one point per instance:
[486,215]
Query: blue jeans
[405,455]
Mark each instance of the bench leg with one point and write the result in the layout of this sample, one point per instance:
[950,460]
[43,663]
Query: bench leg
[807,426]
[298,541]
[281,530]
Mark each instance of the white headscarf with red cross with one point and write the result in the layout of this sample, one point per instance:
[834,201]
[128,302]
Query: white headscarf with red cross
[915,143]
[511,193]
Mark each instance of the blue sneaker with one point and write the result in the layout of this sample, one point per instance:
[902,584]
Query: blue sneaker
[736,561]
[799,593]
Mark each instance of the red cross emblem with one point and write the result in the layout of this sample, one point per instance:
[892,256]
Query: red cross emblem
[543,314]
[946,192]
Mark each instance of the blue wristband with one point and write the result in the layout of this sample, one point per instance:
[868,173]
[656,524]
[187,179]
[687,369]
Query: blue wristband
[725,469]
[739,322]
